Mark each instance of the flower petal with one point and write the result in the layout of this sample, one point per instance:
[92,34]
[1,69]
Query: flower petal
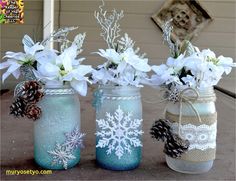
[12,68]
[79,86]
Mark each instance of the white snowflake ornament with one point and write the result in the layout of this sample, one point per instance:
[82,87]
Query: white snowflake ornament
[61,155]
[74,139]
[119,132]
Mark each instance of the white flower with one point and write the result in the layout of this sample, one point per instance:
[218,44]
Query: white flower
[110,55]
[16,60]
[176,63]
[226,63]
[125,68]
[164,75]
[102,75]
[135,61]
[55,69]
[207,53]
[189,80]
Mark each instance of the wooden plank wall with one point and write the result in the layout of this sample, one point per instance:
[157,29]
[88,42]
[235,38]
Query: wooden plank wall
[220,35]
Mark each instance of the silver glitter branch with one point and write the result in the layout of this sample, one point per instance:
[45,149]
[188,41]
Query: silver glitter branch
[109,24]
[60,36]
[78,41]
[167,29]
[126,42]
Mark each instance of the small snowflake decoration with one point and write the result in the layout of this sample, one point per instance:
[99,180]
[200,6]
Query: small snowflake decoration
[118,132]
[61,155]
[64,152]
[74,139]
[173,95]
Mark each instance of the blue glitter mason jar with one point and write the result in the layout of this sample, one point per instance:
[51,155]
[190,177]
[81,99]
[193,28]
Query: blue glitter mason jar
[118,127]
[57,137]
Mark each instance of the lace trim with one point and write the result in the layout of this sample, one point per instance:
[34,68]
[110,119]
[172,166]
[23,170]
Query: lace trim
[200,137]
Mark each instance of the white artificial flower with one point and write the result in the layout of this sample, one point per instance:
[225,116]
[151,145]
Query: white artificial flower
[140,64]
[16,60]
[63,67]
[176,63]
[196,64]
[125,68]
[164,75]
[101,75]
[207,53]
[226,63]
[110,55]
[159,70]
[189,80]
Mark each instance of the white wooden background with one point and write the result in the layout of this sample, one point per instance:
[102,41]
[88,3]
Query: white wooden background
[219,36]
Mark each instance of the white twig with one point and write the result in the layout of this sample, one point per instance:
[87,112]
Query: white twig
[109,24]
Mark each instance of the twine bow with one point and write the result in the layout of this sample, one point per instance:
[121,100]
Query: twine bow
[183,97]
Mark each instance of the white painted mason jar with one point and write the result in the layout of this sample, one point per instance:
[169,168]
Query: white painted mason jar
[201,133]
[57,137]
[118,127]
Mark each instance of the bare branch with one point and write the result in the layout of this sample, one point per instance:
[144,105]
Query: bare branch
[109,24]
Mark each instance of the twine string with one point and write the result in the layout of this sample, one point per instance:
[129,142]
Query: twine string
[189,100]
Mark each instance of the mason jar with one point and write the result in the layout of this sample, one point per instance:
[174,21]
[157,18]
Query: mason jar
[118,127]
[57,137]
[201,132]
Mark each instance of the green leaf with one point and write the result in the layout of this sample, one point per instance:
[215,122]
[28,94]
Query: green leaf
[2,20]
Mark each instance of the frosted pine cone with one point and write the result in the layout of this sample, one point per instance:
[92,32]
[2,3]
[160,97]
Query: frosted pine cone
[18,107]
[161,129]
[32,91]
[33,112]
[175,146]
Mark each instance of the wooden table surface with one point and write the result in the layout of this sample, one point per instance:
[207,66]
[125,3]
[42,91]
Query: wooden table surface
[17,147]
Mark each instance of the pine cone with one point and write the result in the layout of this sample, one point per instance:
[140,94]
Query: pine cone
[32,92]
[175,146]
[18,107]
[33,112]
[161,129]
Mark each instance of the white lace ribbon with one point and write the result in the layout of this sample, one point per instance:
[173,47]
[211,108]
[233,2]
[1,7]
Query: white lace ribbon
[201,137]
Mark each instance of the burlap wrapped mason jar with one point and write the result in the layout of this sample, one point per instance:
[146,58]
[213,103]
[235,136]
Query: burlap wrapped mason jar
[194,118]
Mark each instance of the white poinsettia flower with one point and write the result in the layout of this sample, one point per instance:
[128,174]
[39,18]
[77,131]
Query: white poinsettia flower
[55,69]
[48,71]
[226,63]
[14,69]
[140,64]
[176,63]
[208,53]
[16,59]
[189,80]
[76,77]
[101,75]
[164,75]
[195,64]
[110,54]
[159,70]
[46,56]
[122,68]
